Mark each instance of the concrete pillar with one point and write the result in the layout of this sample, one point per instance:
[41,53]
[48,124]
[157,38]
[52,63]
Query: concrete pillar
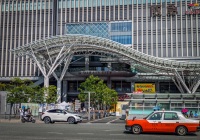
[108,82]
[59,91]
[64,90]
[109,66]
[87,62]
[46,81]
[132,86]
[157,87]
[3,95]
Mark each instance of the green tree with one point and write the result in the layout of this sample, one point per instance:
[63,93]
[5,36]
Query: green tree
[37,96]
[19,91]
[50,94]
[100,93]
[2,87]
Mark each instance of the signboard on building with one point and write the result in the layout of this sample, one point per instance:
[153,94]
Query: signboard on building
[145,87]
[156,10]
[33,107]
[77,105]
[194,9]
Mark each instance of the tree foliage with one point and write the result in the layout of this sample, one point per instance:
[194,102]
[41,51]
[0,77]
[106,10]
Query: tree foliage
[100,93]
[50,94]
[23,91]
[2,87]
[19,91]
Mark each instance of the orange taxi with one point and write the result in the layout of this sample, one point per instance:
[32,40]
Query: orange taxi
[163,121]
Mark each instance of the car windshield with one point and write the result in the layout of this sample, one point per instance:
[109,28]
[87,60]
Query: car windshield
[148,115]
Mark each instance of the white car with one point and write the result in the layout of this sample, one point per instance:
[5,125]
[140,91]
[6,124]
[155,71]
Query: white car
[58,115]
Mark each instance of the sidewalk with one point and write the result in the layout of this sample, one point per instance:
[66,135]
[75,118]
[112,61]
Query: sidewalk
[17,121]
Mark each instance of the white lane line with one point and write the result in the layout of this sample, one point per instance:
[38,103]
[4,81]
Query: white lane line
[85,133]
[107,130]
[111,121]
[55,133]
[117,134]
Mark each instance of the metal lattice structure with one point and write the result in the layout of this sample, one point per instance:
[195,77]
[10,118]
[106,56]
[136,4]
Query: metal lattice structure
[49,53]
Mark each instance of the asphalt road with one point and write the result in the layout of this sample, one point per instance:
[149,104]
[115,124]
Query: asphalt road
[81,131]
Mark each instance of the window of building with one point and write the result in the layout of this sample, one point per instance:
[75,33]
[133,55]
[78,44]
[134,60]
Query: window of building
[123,39]
[72,86]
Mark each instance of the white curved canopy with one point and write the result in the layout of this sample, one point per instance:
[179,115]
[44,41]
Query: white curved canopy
[48,49]
[51,52]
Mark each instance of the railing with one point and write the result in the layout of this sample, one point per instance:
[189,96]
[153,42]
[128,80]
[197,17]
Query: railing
[98,69]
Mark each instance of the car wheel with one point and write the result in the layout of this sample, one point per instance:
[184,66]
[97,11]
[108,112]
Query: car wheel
[181,130]
[71,120]
[136,129]
[47,120]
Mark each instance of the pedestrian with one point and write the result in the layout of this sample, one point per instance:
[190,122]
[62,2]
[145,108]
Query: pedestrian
[21,113]
[195,114]
[191,114]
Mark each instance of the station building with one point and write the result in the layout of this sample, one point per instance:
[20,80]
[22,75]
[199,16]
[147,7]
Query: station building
[163,35]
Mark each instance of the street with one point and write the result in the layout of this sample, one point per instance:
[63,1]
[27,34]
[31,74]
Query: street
[81,131]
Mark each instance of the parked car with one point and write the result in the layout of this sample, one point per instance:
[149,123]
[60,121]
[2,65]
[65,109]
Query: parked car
[163,121]
[113,114]
[58,115]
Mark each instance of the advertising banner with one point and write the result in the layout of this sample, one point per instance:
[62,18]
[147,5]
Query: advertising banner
[33,107]
[145,87]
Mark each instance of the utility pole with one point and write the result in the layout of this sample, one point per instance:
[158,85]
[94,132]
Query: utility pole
[88,106]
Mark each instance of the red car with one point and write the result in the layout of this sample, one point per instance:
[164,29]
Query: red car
[163,121]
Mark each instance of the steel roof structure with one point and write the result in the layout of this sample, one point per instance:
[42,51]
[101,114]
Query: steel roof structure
[49,53]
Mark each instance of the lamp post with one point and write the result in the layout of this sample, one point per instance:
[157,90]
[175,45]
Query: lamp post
[88,104]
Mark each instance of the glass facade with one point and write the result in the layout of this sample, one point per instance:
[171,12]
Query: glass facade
[116,31]
[94,29]
[26,5]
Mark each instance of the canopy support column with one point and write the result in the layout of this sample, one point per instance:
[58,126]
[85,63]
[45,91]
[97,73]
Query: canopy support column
[182,81]
[195,87]
[59,91]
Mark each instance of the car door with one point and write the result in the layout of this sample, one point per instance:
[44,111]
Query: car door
[154,122]
[60,115]
[170,121]
[63,115]
[52,114]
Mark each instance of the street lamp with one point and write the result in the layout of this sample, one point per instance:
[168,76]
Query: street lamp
[88,104]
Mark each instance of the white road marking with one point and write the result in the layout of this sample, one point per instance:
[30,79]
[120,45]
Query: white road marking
[117,134]
[55,133]
[111,121]
[107,130]
[85,133]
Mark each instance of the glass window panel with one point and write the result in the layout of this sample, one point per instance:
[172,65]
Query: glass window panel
[15,8]
[6,7]
[2,7]
[107,2]
[23,6]
[94,2]
[116,2]
[40,5]
[72,4]
[121,2]
[102,2]
[68,3]
[76,3]
[31,4]
[98,2]
[85,3]
[10,6]
[111,2]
